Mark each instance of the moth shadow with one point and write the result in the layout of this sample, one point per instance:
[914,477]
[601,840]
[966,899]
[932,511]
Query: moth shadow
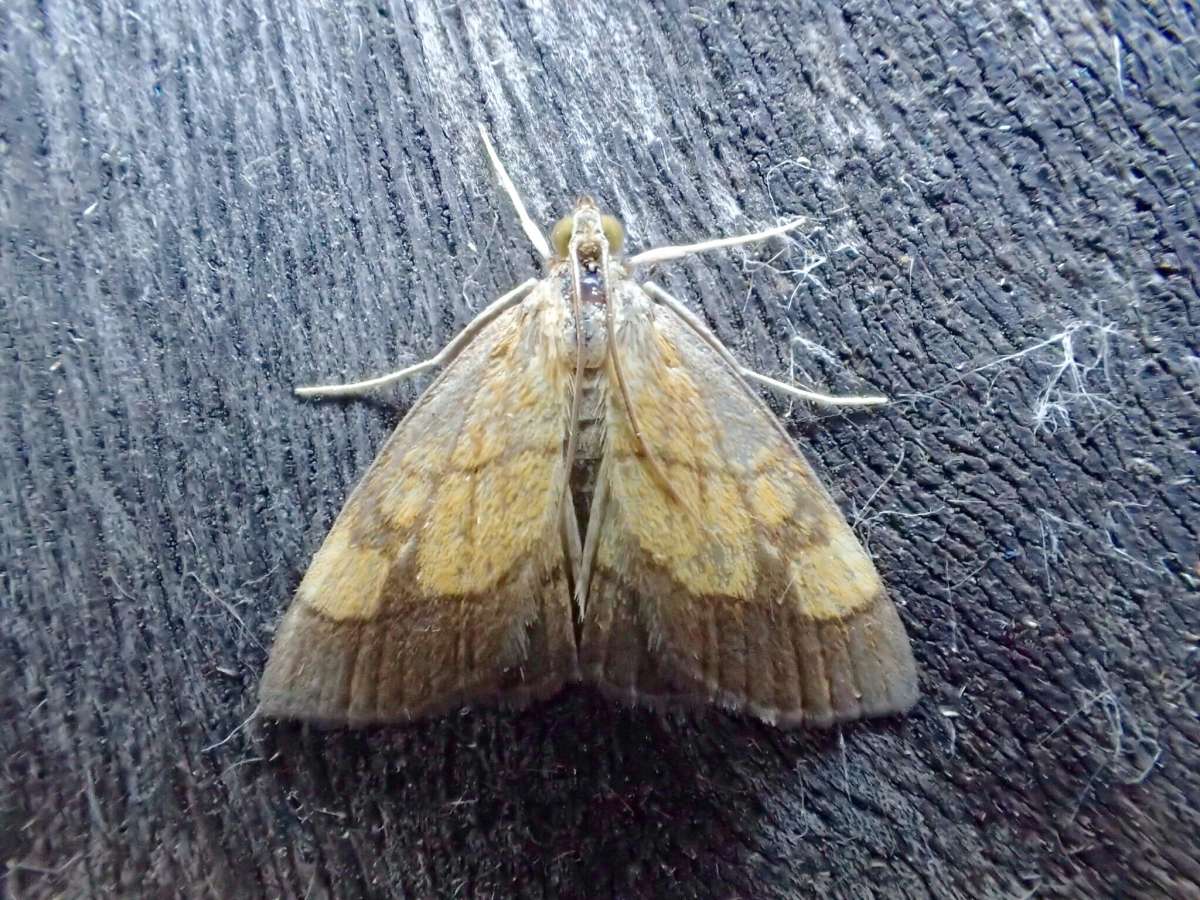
[577,791]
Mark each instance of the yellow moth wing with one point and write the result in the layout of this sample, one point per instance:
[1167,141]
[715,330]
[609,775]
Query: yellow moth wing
[443,579]
[747,586]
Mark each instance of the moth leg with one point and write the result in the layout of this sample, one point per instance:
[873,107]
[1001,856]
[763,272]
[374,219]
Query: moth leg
[531,230]
[451,350]
[815,396]
[659,295]
[662,254]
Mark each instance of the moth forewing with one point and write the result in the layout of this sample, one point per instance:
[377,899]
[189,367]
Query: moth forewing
[443,580]
[749,589]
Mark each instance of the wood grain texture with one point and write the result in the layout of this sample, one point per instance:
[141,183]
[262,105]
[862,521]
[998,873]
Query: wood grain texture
[203,204]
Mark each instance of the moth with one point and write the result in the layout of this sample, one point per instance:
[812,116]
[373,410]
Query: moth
[590,491]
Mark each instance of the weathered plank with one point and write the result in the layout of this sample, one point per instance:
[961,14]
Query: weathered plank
[203,204]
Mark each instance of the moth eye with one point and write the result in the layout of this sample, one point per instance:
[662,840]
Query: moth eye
[614,232]
[560,236]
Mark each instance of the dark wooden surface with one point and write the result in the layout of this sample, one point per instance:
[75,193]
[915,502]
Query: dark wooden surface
[203,204]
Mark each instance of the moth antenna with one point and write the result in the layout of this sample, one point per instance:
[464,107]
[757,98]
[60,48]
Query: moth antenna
[530,227]
[615,358]
[662,254]
[445,356]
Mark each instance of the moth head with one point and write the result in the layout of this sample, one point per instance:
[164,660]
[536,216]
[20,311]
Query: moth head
[586,229]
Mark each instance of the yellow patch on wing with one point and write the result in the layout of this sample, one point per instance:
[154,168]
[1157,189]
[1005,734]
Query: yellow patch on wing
[704,536]
[773,491]
[481,524]
[404,501]
[707,544]
[487,429]
[494,504]
[345,580]
[835,579]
